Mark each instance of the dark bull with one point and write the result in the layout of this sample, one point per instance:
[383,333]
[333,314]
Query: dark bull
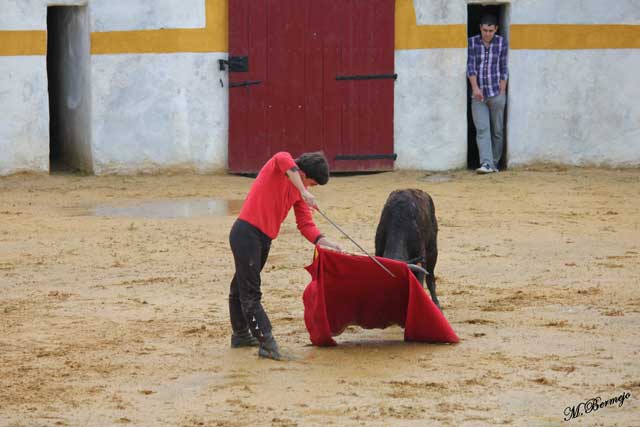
[408,231]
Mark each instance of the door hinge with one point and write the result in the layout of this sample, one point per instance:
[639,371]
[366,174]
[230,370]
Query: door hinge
[392,156]
[245,83]
[368,77]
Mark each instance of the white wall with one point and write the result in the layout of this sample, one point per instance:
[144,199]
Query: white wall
[575,107]
[24,115]
[24,102]
[107,15]
[575,12]
[149,112]
[440,12]
[20,15]
[123,15]
[564,111]
[159,112]
[430,110]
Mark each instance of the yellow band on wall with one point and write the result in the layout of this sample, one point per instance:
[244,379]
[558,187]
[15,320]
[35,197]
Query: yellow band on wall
[408,35]
[19,43]
[212,38]
[562,36]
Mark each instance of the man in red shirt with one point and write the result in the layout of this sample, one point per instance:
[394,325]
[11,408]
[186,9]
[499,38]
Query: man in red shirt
[281,184]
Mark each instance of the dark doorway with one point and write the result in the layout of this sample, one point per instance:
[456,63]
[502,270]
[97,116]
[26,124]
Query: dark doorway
[474,13]
[68,72]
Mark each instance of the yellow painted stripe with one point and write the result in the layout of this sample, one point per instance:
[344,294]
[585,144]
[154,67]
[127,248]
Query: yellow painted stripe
[152,41]
[561,36]
[410,35]
[212,38]
[18,43]
[431,37]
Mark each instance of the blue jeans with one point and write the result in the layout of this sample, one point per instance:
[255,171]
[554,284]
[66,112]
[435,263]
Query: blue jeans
[488,118]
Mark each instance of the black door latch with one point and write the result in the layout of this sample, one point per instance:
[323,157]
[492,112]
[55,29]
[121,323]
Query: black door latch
[237,64]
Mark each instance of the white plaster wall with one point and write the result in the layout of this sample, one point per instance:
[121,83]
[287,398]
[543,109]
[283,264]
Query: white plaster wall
[430,117]
[430,111]
[24,115]
[20,15]
[159,112]
[121,15]
[575,12]
[440,12]
[577,107]
[107,15]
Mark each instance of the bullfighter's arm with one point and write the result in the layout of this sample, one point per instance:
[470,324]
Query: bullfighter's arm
[307,227]
[296,180]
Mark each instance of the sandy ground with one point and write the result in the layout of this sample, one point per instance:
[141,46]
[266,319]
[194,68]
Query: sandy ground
[122,320]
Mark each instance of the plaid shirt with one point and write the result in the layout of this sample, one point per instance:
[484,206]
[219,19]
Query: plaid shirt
[489,64]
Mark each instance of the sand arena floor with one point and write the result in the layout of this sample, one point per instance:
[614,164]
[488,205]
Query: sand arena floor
[110,315]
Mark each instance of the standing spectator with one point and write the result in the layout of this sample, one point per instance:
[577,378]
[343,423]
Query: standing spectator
[487,73]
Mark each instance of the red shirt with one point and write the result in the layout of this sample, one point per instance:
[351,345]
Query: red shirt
[271,197]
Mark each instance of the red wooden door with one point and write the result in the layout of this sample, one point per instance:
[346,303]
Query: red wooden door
[319,77]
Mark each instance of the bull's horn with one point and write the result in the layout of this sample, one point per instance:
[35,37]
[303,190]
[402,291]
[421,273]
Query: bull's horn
[417,269]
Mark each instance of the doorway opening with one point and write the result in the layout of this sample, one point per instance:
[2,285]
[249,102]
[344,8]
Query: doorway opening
[474,13]
[68,72]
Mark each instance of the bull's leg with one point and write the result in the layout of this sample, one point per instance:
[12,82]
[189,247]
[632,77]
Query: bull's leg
[431,284]
[432,258]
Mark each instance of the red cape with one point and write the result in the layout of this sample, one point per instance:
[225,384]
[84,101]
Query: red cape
[353,290]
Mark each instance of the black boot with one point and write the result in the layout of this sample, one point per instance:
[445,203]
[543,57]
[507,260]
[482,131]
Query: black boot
[241,336]
[243,339]
[269,348]
[260,327]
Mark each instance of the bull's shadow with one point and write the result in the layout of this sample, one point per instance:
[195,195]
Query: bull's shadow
[363,342]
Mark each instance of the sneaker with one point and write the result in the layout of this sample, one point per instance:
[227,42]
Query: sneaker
[243,339]
[485,168]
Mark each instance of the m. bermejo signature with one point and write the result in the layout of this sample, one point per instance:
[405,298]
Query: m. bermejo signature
[593,405]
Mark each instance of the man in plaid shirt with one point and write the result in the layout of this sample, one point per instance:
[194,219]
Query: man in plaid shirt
[487,73]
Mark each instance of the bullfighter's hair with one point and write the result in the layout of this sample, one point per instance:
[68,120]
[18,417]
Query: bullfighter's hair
[315,166]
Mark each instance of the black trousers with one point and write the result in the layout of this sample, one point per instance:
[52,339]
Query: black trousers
[250,248]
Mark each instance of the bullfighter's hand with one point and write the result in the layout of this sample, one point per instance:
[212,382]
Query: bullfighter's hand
[326,243]
[310,199]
